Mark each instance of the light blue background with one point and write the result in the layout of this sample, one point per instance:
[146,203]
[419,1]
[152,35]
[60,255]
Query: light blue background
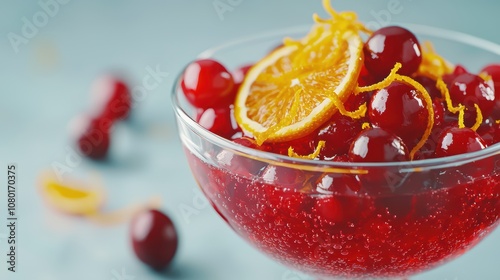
[47,83]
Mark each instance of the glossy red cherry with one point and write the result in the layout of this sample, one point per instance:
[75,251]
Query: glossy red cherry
[206,84]
[401,109]
[338,135]
[378,145]
[469,89]
[219,121]
[342,184]
[455,141]
[92,136]
[154,238]
[390,45]
[111,98]
[283,176]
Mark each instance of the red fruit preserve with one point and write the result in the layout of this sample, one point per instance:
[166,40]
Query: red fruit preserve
[338,228]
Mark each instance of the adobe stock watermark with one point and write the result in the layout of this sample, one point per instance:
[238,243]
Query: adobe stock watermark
[122,275]
[31,26]
[384,17]
[223,6]
[198,204]
[153,78]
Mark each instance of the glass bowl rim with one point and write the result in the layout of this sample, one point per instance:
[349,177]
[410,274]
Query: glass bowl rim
[408,166]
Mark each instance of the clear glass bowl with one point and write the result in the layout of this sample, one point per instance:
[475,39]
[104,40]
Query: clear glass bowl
[348,220]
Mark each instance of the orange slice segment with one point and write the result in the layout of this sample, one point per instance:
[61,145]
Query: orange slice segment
[295,89]
[71,198]
[86,199]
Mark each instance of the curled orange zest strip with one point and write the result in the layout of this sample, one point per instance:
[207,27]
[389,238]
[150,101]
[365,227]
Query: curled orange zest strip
[479,118]
[292,153]
[382,84]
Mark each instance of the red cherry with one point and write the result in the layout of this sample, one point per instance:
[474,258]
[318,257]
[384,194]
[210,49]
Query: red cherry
[111,98]
[469,89]
[455,141]
[342,184]
[154,238]
[91,135]
[378,145]
[338,134]
[401,109]
[390,45]
[283,176]
[219,121]
[206,84]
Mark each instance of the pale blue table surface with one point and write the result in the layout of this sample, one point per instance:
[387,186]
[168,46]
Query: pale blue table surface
[47,83]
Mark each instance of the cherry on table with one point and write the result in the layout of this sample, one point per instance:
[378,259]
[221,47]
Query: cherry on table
[390,45]
[207,84]
[154,238]
[91,135]
[111,98]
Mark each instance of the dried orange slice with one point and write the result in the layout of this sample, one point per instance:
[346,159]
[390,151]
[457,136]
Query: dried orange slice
[296,88]
[86,199]
[71,197]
